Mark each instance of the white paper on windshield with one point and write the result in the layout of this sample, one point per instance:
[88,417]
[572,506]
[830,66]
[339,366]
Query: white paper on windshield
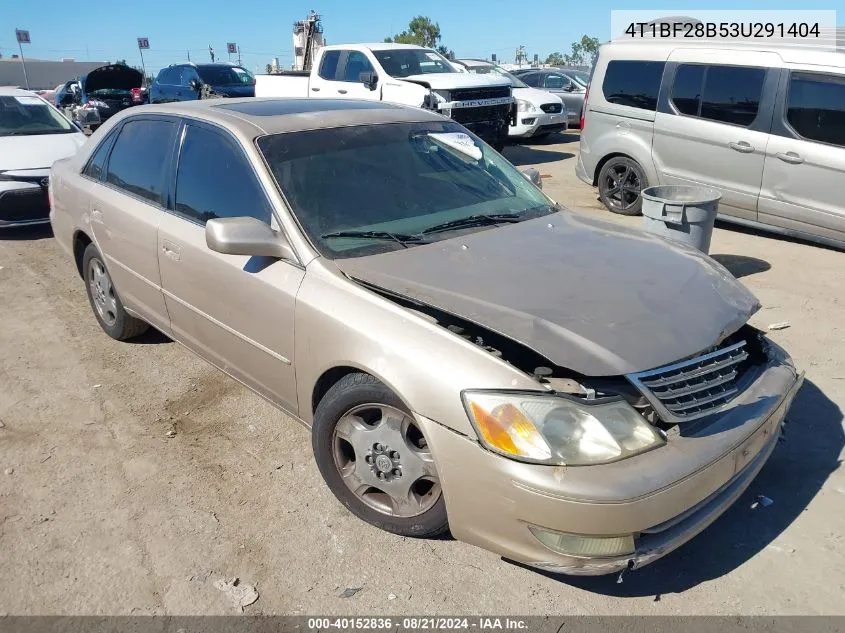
[26,100]
[433,56]
[458,141]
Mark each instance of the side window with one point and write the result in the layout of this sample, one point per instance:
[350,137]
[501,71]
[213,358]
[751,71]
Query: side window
[328,65]
[732,94]
[165,77]
[816,107]
[686,92]
[633,83]
[188,75]
[96,164]
[214,179]
[534,80]
[356,63]
[139,158]
[556,82]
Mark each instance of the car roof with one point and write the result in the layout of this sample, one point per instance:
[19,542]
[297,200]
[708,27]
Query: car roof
[377,46]
[13,91]
[254,116]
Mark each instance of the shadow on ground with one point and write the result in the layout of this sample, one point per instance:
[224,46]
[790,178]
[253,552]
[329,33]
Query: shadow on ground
[150,337]
[747,230]
[794,475]
[29,233]
[524,155]
[742,266]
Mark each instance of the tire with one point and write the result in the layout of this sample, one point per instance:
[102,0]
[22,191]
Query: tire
[621,180]
[375,459]
[104,299]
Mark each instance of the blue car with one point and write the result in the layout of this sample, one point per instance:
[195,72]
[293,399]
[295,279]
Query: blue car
[187,82]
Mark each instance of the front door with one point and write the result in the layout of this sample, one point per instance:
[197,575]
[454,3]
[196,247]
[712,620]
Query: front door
[348,83]
[236,311]
[805,158]
[126,210]
[715,132]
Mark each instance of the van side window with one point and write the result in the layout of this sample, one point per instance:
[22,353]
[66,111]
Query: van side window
[328,65]
[816,107]
[732,94]
[686,92]
[633,83]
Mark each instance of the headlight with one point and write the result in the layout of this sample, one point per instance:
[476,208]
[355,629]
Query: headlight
[524,106]
[549,429]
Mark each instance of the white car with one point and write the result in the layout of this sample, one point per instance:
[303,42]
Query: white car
[33,135]
[539,113]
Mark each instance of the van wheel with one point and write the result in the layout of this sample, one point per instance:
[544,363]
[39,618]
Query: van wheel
[376,460]
[105,302]
[621,181]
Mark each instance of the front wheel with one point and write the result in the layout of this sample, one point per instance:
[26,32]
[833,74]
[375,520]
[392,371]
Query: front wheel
[621,181]
[375,459]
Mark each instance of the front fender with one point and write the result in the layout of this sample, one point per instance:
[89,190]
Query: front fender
[340,323]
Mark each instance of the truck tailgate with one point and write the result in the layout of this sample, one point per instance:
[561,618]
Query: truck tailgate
[281,86]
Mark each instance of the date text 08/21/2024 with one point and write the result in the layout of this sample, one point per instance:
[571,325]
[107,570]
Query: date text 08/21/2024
[724,30]
[416,623]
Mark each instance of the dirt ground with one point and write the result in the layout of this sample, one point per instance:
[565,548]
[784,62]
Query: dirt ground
[102,513]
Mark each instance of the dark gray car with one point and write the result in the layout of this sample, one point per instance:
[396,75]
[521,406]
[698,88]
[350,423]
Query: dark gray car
[570,88]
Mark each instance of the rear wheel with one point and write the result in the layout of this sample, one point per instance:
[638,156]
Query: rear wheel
[621,181]
[105,302]
[375,459]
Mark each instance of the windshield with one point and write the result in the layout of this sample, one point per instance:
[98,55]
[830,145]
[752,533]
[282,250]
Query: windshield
[516,82]
[399,179]
[26,115]
[404,62]
[579,76]
[225,75]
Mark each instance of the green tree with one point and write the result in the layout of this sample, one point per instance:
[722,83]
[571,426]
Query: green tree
[122,62]
[421,31]
[583,51]
[447,52]
[555,59]
[269,68]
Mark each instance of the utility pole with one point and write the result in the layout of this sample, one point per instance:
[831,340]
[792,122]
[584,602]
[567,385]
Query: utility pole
[189,54]
[23,38]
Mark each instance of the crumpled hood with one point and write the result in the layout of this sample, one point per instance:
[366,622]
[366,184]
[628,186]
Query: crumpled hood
[39,151]
[450,81]
[112,77]
[596,298]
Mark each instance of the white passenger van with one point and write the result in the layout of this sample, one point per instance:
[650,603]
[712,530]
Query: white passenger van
[765,124]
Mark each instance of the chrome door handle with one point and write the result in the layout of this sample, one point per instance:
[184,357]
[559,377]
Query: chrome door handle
[343,92]
[790,157]
[315,90]
[171,250]
[742,146]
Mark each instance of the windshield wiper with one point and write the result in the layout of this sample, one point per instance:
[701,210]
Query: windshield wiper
[474,220]
[400,238]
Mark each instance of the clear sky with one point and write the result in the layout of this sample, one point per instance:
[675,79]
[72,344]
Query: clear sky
[472,28]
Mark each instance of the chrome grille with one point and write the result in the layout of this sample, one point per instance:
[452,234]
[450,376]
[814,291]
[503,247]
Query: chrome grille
[693,388]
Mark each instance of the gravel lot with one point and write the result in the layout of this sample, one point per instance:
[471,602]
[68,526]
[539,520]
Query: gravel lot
[102,513]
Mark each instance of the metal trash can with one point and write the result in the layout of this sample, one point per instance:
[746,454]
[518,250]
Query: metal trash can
[681,213]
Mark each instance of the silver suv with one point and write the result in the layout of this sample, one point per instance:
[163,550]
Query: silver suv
[764,125]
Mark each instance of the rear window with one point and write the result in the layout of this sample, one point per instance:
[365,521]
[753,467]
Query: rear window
[633,83]
[816,107]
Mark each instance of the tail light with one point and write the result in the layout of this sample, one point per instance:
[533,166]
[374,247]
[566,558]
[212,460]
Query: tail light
[137,95]
[584,106]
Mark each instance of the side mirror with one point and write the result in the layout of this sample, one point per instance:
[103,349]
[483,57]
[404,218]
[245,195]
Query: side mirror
[568,88]
[369,79]
[246,236]
[195,84]
[534,176]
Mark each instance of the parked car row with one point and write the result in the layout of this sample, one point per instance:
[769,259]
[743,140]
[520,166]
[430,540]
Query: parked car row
[99,95]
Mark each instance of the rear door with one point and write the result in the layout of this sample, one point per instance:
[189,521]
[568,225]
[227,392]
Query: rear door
[321,82]
[713,125]
[805,159]
[235,311]
[126,208]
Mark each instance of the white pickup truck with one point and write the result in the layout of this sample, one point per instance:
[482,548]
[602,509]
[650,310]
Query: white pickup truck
[405,74]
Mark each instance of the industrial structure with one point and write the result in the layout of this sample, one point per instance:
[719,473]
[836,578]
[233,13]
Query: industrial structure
[307,41]
[42,74]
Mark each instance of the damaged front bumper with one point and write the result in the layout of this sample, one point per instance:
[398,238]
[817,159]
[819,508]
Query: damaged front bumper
[660,499]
